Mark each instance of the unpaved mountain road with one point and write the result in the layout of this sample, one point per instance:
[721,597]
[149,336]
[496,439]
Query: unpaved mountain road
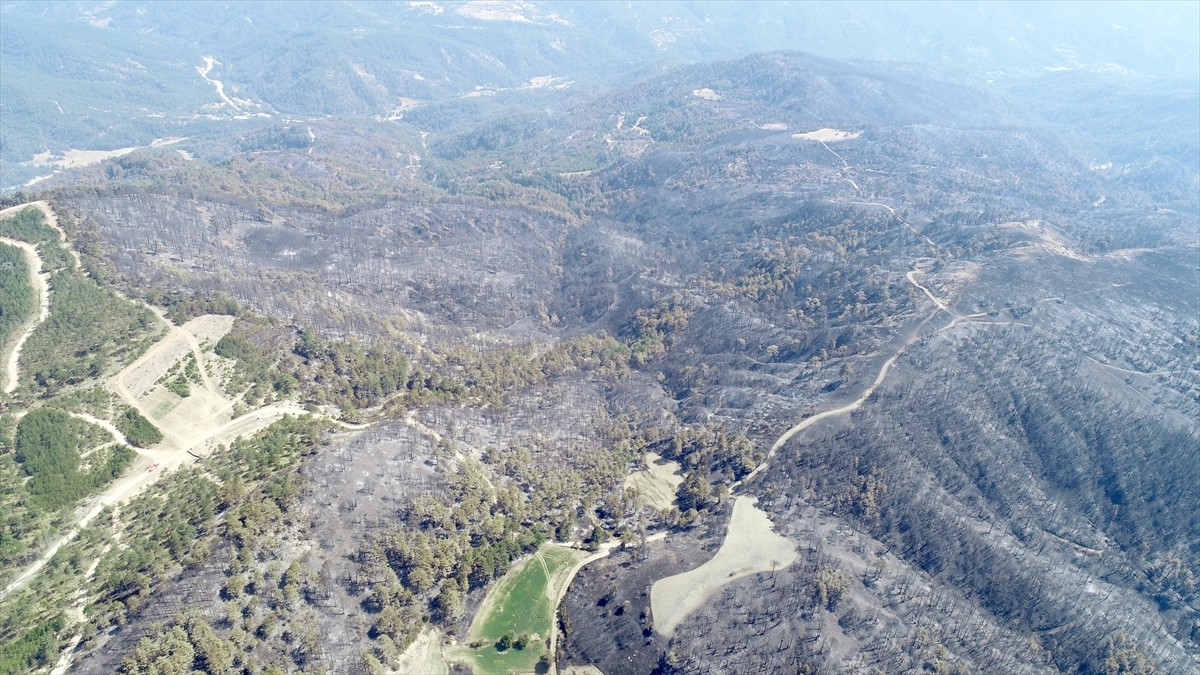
[41,284]
[51,220]
[40,281]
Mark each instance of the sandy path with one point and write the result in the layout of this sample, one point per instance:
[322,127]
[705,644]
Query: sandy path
[152,464]
[41,283]
[204,70]
[106,425]
[911,276]
[902,221]
[853,405]
[77,614]
[857,403]
[751,546]
[126,484]
[832,136]
[747,548]
[411,420]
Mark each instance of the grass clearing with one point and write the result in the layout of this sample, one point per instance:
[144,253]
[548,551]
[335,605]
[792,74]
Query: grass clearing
[750,547]
[521,607]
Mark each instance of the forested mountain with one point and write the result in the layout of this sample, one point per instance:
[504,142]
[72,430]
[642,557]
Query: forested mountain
[106,76]
[564,337]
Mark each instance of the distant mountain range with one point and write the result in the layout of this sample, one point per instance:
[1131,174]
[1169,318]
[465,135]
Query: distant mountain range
[103,76]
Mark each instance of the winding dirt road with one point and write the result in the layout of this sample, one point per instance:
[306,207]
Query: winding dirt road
[51,220]
[41,283]
[809,421]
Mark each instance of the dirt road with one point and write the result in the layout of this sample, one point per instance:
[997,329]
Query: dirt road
[51,220]
[41,283]
[853,405]
[150,466]
[104,424]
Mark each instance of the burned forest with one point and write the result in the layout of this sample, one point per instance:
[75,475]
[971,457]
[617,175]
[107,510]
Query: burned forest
[649,338]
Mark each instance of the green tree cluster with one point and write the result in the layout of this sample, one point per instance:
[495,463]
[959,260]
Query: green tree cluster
[259,346]
[462,540]
[710,448]
[655,329]
[1122,656]
[32,649]
[137,429]
[175,523]
[188,647]
[29,225]
[47,445]
[349,372]
[17,301]
[88,327]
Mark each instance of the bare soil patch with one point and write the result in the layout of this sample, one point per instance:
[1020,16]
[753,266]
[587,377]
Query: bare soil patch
[494,10]
[72,159]
[657,484]
[547,82]
[827,135]
[751,546]
[184,420]
[424,655]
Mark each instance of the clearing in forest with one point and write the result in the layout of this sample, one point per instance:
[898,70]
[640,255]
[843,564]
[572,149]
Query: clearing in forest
[171,386]
[750,547]
[658,483]
[520,607]
[827,135]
